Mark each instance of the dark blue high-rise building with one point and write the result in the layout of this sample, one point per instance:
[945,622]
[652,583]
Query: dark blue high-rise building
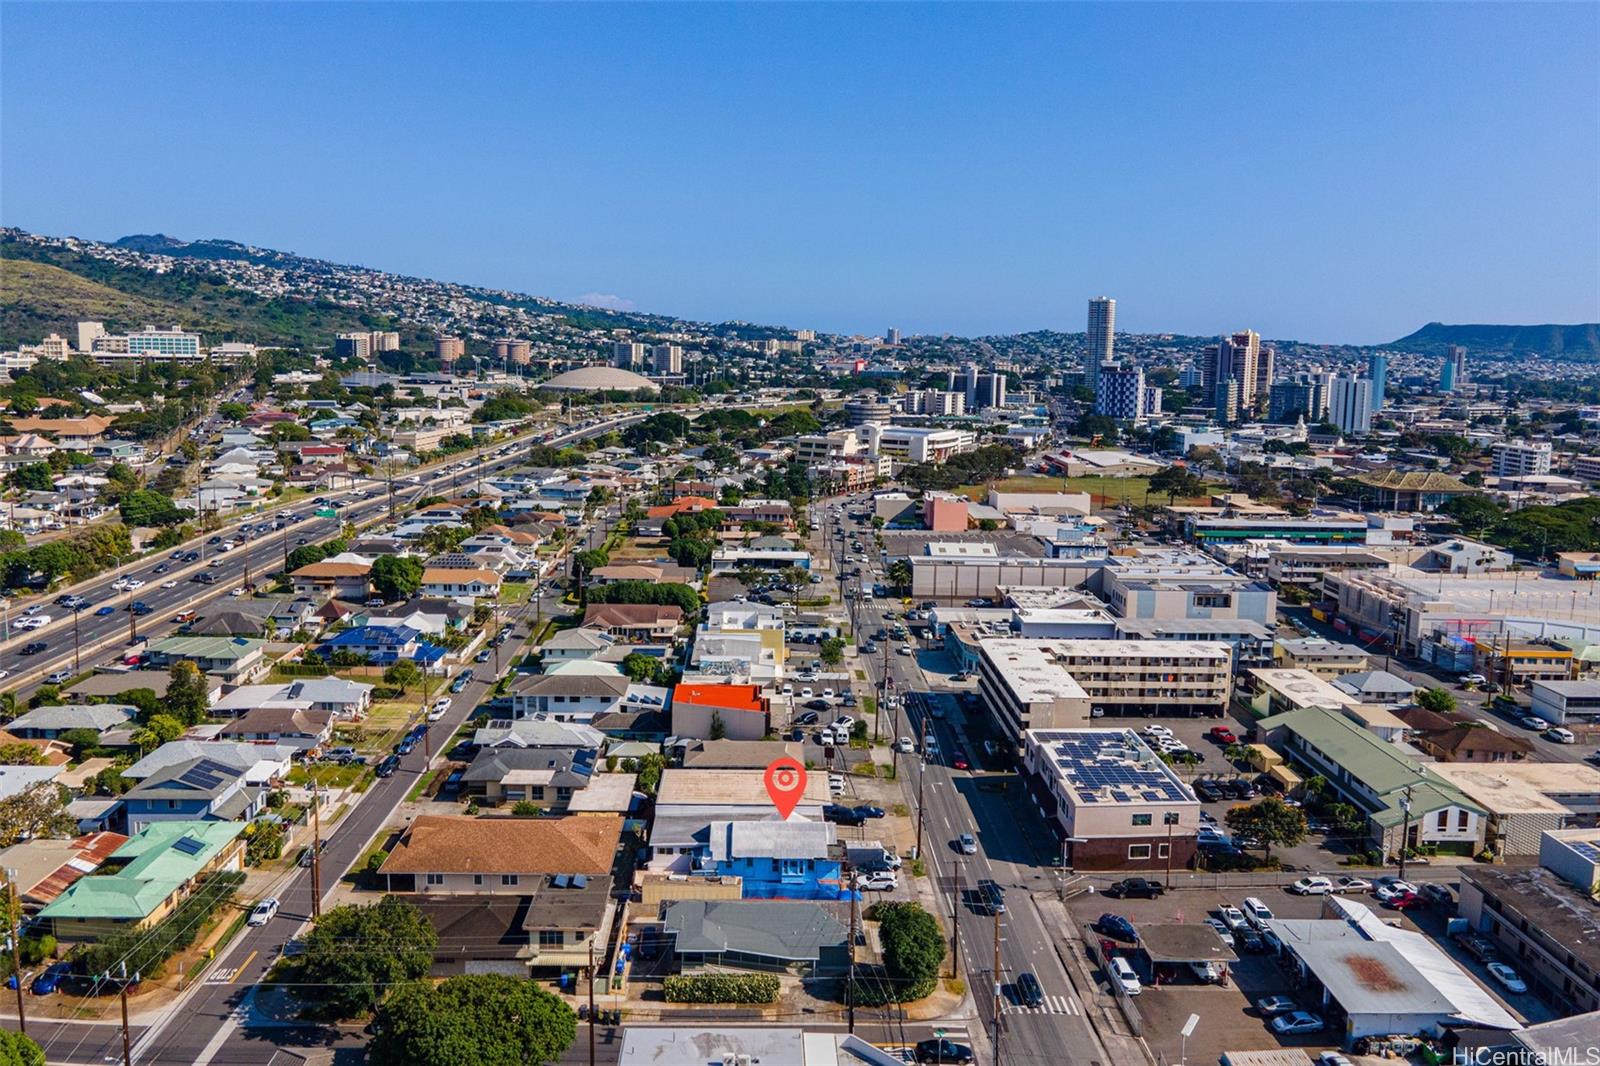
[1378,371]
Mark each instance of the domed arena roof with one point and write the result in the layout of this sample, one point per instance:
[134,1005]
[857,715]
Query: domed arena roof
[592,378]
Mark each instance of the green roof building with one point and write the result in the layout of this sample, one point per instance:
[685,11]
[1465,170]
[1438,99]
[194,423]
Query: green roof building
[1382,780]
[155,871]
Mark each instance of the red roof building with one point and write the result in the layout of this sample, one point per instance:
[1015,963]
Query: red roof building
[744,714]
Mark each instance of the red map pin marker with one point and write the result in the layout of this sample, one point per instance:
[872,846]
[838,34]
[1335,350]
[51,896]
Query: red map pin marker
[786,783]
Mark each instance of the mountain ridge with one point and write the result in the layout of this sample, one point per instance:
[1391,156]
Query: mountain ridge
[1579,342]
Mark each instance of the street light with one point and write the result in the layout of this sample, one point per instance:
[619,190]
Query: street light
[1188,1031]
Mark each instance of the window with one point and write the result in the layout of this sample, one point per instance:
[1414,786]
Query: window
[551,938]
[508,880]
[1444,820]
[1141,819]
[1138,851]
[1462,818]
[1161,851]
[477,879]
[436,879]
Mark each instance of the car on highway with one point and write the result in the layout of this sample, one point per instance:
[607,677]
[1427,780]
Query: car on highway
[33,648]
[38,621]
[264,911]
[967,843]
[141,608]
[58,677]
[169,584]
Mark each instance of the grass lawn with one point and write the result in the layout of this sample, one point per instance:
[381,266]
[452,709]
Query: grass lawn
[514,592]
[638,548]
[386,721]
[1105,491]
[327,775]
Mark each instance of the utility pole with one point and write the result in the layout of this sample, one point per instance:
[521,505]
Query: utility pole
[922,773]
[133,626]
[316,851]
[997,1059]
[591,1001]
[13,904]
[127,1042]
[850,984]
[955,920]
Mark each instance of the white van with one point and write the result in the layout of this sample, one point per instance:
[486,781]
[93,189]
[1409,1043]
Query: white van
[1256,912]
[1124,976]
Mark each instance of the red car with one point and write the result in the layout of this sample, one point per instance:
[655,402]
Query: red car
[1223,735]
[958,759]
[1403,901]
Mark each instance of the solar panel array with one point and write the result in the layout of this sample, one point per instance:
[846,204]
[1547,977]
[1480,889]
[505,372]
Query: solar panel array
[1096,767]
[1584,848]
[189,845]
[207,774]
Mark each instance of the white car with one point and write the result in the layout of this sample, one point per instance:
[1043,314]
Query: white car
[905,746]
[1508,977]
[1154,730]
[442,703]
[169,584]
[904,649]
[968,844]
[38,621]
[787,690]
[1533,722]
[1393,888]
[1123,975]
[827,693]
[1560,736]
[436,713]
[1232,917]
[844,722]
[134,583]
[264,911]
[835,784]
[1312,886]
[236,592]
[877,881]
[806,694]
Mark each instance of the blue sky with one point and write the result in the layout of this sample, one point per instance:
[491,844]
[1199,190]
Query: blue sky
[1330,172]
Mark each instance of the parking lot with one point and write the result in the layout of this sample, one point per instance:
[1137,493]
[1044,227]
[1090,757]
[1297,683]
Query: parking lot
[1231,1018]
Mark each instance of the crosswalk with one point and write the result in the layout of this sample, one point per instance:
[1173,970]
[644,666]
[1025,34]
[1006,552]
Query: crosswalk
[1051,1005]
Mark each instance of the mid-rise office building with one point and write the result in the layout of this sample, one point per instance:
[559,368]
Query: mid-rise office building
[352,346]
[1099,339]
[88,333]
[172,343]
[1521,458]
[935,402]
[1350,405]
[448,349]
[915,444]
[1378,374]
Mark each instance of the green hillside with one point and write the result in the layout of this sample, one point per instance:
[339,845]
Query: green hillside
[1579,343]
[45,290]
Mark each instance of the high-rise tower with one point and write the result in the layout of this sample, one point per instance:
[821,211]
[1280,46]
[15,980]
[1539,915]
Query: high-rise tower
[1099,349]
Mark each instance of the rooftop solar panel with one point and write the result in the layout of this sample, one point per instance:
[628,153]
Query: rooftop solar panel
[559,880]
[579,881]
[188,845]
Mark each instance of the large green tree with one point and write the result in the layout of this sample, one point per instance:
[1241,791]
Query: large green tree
[355,954]
[1272,821]
[188,693]
[396,577]
[913,949]
[19,1050]
[1436,699]
[34,477]
[485,1019]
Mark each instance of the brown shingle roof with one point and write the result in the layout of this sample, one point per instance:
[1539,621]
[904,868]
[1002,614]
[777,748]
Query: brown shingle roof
[579,844]
[450,575]
[1464,738]
[631,614]
[331,570]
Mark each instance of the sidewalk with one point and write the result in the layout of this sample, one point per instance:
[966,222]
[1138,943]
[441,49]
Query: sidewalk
[1106,1023]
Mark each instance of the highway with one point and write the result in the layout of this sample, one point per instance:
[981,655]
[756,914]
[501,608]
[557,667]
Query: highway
[109,634]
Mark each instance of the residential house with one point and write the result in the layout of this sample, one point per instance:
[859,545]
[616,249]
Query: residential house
[638,622]
[48,723]
[547,777]
[793,859]
[15,780]
[235,660]
[334,696]
[476,582]
[290,726]
[744,713]
[343,580]
[735,754]
[538,733]
[156,869]
[382,645]
[567,645]
[42,868]
[259,764]
[689,801]
[201,789]
[804,939]
[567,696]
[1377,687]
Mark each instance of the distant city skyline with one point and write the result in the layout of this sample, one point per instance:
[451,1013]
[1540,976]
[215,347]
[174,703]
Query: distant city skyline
[1360,171]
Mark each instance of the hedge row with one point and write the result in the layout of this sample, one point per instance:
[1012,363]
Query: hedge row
[722,988]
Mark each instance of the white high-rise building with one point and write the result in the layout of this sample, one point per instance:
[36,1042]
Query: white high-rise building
[629,355]
[1100,342]
[893,336]
[173,342]
[1350,404]
[1521,458]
